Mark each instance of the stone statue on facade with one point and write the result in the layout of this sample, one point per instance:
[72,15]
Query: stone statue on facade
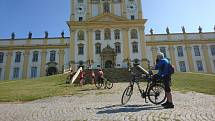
[46,34]
[183,29]
[13,36]
[151,31]
[29,35]
[167,30]
[200,29]
[62,34]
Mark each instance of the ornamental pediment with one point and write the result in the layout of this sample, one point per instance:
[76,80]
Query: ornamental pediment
[107,17]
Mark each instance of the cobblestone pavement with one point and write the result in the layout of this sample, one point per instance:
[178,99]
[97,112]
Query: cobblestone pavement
[105,105]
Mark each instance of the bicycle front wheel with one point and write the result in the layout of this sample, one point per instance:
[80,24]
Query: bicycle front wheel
[109,84]
[98,84]
[156,94]
[127,95]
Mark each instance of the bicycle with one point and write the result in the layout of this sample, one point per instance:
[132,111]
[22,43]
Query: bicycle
[154,89]
[106,83]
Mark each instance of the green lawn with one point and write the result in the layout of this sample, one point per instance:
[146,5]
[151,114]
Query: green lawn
[203,83]
[32,89]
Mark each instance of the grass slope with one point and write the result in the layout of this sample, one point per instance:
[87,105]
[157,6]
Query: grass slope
[32,89]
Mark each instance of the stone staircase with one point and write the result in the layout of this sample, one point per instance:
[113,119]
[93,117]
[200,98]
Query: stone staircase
[114,74]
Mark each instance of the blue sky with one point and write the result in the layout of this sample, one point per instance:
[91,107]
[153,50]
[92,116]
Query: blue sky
[37,16]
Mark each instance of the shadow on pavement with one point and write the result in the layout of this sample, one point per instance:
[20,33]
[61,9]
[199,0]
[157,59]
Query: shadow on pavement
[127,108]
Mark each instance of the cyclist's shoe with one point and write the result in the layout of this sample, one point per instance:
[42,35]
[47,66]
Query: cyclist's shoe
[169,105]
[164,104]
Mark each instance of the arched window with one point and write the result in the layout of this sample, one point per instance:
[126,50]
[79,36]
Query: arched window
[35,56]
[98,35]
[98,48]
[134,34]
[81,35]
[117,34]
[107,34]
[52,55]
[80,49]
[135,47]
[106,7]
[117,47]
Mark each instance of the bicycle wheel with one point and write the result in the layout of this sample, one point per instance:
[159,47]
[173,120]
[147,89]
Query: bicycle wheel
[98,84]
[156,94]
[109,84]
[127,95]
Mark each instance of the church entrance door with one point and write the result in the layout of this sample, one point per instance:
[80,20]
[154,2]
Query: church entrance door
[108,64]
[108,57]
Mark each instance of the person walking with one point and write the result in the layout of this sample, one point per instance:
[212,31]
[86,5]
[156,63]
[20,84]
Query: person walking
[82,78]
[162,65]
[93,77]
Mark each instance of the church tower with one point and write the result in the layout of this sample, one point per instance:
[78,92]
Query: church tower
[107,33]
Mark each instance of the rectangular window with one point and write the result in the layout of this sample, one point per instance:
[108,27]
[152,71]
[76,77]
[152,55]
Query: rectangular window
[52,56]
[132,17]
[98,49]
[163,50]
[213,50]
[98,36]
[33,72]
[118,49]
[1,57]
[16,73]
[199,65]
[135,48]
[196,50]
[182,66]
[180,51]
[35,56]
[0,73]
[18,57]
[80,50]
[80,18]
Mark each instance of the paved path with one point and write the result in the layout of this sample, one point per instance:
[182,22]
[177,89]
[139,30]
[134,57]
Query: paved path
[105,105]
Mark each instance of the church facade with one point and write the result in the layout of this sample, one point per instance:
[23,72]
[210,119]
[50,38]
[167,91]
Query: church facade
[105,34]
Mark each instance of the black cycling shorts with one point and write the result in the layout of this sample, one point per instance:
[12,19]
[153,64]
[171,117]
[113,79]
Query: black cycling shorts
[167,83]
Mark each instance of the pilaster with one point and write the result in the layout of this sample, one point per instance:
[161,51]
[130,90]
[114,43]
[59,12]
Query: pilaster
[8,64]
[172,55]
[72,17]
[90,45]
[25,64]
[188,49]
[89,11]
[140,13]
[143,47]
[206,58]
[61,59]
[126,50]
[72,45]
[43,62]
[123,8]
[154,50]
[112,8]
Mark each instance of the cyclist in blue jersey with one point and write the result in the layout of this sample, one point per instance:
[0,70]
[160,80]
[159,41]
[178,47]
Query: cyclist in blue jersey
[162,65]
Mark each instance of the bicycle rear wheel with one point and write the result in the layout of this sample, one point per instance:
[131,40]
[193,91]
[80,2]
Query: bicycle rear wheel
[127,95]
[156,94]
[109,84]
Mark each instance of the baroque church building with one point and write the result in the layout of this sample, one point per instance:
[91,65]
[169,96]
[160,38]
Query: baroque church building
[105,34]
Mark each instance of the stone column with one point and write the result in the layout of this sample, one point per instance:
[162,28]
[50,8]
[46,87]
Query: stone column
[126,49]
[43,62]
[8,64]
[100,8]
[89,45]
[26,64]
[143,47]
[140,13]
[188,49]
[172,55]
[61,59]
[207,58]
[154,50]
